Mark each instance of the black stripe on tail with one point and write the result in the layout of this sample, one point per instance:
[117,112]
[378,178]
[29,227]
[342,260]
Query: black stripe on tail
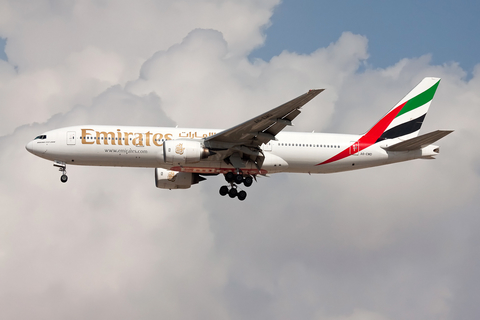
[403,129]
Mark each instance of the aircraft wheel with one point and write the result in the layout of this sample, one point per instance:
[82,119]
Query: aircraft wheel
[223,190]
[64,178]
[232,193]
[229,176]
[248,181]
[242,195]
[238,179]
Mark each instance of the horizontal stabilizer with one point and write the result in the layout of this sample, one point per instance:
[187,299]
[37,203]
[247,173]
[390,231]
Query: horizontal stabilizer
[420,141]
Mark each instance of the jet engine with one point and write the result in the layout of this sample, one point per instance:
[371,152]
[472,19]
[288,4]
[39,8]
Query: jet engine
[169,179]
[180,152]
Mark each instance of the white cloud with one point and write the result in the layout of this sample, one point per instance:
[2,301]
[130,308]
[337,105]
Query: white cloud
[383,243]
[66,53]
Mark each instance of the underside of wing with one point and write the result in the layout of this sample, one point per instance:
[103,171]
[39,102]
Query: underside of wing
[264,127]
[239,146]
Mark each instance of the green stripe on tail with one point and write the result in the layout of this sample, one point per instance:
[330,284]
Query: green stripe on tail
[419,100]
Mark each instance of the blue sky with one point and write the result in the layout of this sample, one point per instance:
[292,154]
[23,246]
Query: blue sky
[395,29]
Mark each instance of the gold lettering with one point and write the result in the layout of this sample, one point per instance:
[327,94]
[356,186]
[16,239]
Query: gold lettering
[126,137]
[138,141]
[84,136]
[105,134]
[148,134]
[157,137]
[119,135]
[151,139]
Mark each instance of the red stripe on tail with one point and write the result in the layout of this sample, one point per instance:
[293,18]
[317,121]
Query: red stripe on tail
[370,137]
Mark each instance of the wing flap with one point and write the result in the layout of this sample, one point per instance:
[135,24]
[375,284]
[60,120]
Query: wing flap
[420,141]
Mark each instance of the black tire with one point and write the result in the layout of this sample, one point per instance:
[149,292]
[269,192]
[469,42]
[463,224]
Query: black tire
[229,176]
[242,195]
[248,181]
[223,190]
[238,179]
[64,178]
[232,193]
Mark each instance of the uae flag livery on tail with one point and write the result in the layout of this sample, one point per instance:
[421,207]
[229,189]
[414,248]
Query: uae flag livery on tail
[409,119]
[402,121]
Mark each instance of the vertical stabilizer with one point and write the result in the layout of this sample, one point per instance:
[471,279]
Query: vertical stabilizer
[402,121]
[410,112]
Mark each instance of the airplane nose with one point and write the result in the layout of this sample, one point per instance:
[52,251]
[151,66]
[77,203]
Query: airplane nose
[29,147]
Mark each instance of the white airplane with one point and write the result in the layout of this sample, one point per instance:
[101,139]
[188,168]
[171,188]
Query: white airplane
[182,157]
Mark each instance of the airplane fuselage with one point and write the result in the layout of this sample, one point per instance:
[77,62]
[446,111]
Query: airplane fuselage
[296,152]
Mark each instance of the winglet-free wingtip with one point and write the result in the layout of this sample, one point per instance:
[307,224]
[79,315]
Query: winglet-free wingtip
[317,91]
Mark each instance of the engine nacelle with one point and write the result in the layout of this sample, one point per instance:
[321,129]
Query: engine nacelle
[179,152]
[169,179]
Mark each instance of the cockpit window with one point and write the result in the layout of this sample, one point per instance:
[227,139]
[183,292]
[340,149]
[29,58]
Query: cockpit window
[42,137]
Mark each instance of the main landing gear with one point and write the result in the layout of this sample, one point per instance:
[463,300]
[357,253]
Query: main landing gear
[234,180]
[63,168]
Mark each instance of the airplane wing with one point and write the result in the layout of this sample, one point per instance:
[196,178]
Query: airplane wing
[240,145]
[264,127]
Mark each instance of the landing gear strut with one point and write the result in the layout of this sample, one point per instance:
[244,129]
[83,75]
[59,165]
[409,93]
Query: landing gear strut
[63,168]
[234,180]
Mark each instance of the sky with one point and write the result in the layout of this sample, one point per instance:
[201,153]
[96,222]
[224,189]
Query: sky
[395,30]
[386,243]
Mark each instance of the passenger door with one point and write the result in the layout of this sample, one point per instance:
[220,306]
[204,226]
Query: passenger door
[71,138]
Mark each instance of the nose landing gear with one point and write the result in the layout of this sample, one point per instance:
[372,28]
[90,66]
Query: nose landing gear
[234,180]
[63,168]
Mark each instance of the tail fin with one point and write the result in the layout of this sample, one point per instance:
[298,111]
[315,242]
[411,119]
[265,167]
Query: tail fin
[406,118]
[403,121]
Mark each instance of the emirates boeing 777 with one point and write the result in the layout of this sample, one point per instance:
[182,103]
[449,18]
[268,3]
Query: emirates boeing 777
[182,157]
